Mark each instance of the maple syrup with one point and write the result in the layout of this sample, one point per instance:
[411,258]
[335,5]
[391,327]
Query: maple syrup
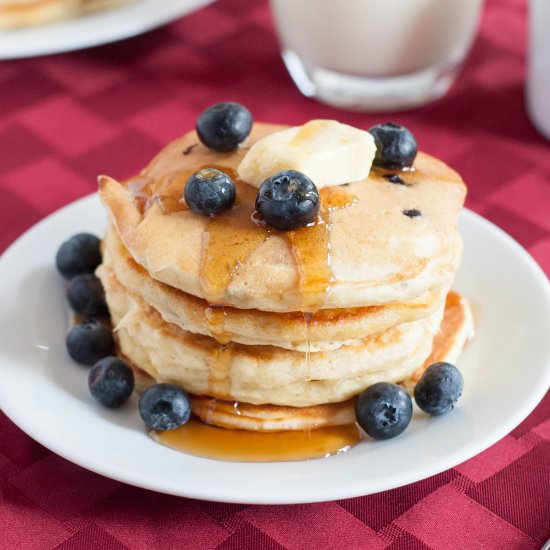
[228,240]
[337,197]
[219,381]
[311,249]
[231,236]
[307,324]
[139,191]
[167,191]
[215,319]
[200,439]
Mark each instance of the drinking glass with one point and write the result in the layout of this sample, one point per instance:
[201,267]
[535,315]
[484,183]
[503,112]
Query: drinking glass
[375,55]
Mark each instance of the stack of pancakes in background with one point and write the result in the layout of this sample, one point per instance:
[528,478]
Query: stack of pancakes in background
[281,330]
[26,13]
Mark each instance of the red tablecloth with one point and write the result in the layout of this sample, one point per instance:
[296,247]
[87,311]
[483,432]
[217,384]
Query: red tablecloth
[65,118]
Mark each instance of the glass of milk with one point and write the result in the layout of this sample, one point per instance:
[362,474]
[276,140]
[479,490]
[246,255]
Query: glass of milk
[538,78]
[375,55]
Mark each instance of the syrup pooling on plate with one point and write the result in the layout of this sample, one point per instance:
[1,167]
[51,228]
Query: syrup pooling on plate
[199,439]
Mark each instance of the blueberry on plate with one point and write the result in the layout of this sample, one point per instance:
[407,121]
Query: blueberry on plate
[86,296]
[209,192]
[89,342]
[383,410]
[80,254]
[288,200]
[396,147]
[224,125]
[439,388]
[164,407]
[111,382]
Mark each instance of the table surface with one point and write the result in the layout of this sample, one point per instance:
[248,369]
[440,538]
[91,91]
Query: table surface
[109,109]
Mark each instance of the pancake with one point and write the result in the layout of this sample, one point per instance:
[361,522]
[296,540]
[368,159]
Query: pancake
[262,374]
[456,329]
[362,251]
[324,330]
[273,330]
[25,13]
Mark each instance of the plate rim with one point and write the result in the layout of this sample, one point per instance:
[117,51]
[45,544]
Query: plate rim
[459,456]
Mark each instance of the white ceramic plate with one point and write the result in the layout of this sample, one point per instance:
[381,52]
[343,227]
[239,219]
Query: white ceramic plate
[506,370]
[94,29]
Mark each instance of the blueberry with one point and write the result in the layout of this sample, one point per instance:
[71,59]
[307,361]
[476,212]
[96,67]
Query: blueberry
[412,213]
[395,146]
[383,410]
[86,296]
[164,407]
[288,200]
[394,178]
[439,388]
[111,382]
[89,342]
[80,254]
[224,125]
[209,191]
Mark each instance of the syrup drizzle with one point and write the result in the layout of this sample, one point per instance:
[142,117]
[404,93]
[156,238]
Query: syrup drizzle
[311,249]
[215,317]
[231,237]
[168,191]
[228,240]
[139,191]
[220,379]
[308,317]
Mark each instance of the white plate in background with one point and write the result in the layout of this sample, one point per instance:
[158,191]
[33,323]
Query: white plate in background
[506,370]
[94,29]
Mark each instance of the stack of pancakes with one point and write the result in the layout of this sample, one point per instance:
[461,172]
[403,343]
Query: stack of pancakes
[24,13]
[273,330]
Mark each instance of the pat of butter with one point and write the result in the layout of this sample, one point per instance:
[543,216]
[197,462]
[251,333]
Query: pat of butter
[328,152]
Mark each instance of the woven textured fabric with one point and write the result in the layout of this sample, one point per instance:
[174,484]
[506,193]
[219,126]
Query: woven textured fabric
[64,118]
